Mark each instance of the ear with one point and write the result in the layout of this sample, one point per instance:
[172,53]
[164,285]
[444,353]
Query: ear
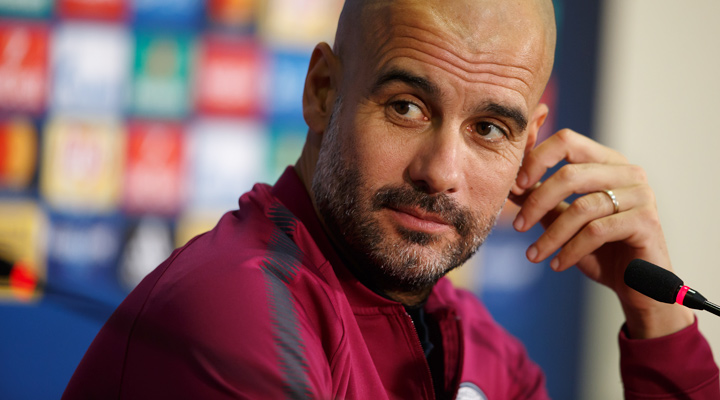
[536,121]
[320,88]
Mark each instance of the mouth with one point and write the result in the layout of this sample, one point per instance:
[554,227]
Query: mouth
[415,219]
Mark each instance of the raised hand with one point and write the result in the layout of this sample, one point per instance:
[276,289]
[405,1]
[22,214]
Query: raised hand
[598,235]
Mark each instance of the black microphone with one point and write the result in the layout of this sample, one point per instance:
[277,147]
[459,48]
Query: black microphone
[662,285]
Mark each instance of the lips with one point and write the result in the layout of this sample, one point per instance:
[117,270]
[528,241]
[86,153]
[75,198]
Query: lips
[418,220]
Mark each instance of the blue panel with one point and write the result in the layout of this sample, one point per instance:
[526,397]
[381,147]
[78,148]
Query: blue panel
[42,344]
[287,82]
[541,307]
[181,14]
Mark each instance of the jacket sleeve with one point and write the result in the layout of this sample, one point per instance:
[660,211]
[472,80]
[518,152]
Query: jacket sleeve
[229,333]
[676,366]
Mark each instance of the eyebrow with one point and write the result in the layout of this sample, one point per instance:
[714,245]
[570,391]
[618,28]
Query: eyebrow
[514,114]
[398,75]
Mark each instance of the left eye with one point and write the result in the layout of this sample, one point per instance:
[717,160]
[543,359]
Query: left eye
[489,131]
[408,110]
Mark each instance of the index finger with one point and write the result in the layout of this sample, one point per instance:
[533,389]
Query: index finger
[564,145]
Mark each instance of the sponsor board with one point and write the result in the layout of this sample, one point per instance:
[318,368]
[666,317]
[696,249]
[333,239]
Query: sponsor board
[23,229]
[18,153]
[82,163]
[90,65]
[161,75]
[154,168]
[23,67]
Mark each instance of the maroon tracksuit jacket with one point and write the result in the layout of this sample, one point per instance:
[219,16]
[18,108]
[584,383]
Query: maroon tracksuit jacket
[262,308]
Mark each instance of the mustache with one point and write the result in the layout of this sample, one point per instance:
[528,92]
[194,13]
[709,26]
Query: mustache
[442,205]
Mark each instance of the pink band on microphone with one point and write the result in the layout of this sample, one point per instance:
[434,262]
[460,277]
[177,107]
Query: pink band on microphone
[681,294]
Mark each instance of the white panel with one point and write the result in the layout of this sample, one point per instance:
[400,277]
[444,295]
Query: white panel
[659,102]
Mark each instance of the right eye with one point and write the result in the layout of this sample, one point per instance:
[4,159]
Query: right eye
[408,110]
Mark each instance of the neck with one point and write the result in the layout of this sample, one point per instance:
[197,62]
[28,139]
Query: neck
[305,166]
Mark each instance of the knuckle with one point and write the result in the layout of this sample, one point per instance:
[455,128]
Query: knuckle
[650,217]
[565,135]
[647,193]
[582,205]
[568,172]
[639,173]
[595,229]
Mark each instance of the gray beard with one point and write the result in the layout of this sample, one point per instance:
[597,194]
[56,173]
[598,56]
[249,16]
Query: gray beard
[414,262]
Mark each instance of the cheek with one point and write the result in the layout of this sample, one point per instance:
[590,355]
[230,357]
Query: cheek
[380,155]
[489,181]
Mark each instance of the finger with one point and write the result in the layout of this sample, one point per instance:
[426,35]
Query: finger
[518,196]
[549,217]
[630,226]
[574,179]
[564,145]
[583,210]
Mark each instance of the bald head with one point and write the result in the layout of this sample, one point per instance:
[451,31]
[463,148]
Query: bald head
[527,27]
[439,101]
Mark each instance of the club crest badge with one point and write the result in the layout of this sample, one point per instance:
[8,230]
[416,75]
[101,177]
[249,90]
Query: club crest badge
[470,391]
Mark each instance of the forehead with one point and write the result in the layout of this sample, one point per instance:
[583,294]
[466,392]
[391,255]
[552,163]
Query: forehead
[498,45]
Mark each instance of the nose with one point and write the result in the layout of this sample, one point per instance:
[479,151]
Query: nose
[436,166]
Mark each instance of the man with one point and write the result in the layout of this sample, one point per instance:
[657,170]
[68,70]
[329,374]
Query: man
[422,118]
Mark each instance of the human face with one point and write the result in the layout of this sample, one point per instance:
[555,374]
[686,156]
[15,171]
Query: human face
[418,253]
[420,155]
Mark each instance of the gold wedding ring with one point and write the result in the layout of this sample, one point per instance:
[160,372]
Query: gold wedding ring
[616,205]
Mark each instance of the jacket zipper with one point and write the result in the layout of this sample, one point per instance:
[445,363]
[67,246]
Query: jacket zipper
[419,350]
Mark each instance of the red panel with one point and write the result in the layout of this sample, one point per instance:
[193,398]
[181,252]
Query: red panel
[231,77]
[23,67]
[154,168]
[113,10]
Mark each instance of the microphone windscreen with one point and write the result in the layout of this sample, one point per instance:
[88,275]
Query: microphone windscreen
[652,281]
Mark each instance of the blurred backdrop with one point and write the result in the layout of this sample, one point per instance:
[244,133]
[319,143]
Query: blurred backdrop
[129,126]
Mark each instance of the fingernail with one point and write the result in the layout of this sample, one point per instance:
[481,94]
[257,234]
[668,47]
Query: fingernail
[519,222]
[532,252]
[522,179]
[555,264]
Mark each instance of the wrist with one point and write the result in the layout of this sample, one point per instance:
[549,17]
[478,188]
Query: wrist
[657,321]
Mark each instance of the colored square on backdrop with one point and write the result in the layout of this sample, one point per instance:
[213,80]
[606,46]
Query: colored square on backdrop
[23,67]
[83,252]
[299,23]
[287,82]
[226,158]
[154,168]
[192,223]
[110,10]
[26,8]
[82,165]
[231,77]
[149,241]
[161,75]
[287,144]
[181,14]
[18,153]
[237,14]
[23,227]
[90,68]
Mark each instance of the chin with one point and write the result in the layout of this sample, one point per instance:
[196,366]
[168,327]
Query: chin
[412,261]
